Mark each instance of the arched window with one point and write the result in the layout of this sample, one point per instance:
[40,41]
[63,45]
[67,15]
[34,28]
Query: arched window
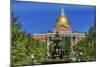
[74,38]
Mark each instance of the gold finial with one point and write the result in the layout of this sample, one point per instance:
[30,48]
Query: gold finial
[62,12]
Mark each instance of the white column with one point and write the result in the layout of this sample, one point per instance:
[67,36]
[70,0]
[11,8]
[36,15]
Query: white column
[48,44]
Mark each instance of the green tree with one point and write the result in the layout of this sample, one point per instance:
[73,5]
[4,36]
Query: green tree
[66,47]
[86,48]
[23,46]
[18,47]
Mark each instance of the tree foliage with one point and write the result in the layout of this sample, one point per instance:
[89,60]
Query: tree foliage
[23,46]
[86,48]
[66,46]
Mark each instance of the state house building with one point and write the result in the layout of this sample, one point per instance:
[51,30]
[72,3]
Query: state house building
[63,28]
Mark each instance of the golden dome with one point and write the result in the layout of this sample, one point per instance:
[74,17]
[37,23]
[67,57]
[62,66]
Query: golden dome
[62,20]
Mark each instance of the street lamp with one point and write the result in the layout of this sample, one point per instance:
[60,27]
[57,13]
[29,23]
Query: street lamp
[32,57]
[79,56]
[81,53]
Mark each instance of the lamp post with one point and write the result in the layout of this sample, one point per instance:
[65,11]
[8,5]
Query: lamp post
[79,56]
[81,53]
[32,57]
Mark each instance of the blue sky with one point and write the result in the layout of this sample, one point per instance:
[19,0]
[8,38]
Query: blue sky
[40,17]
